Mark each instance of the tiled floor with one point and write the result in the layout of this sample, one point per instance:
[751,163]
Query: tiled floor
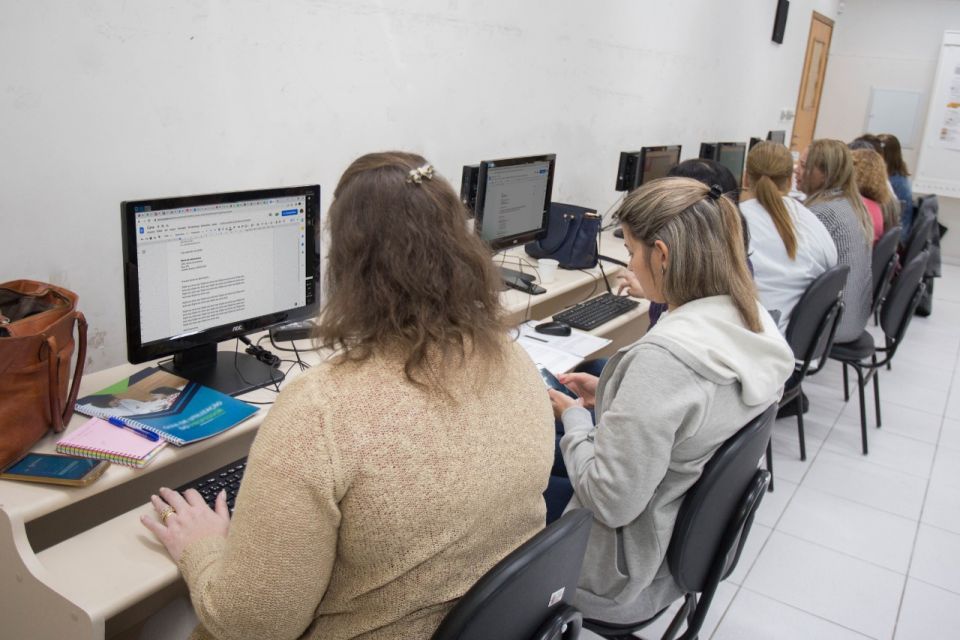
[851,546]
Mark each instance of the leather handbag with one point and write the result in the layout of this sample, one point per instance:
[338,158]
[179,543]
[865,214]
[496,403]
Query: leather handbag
[571,237]
[37,323]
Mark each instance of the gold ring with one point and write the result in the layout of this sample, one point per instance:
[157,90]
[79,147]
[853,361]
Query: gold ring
[166,513]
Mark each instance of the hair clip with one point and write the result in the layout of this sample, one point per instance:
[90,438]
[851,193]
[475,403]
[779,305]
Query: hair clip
[417,175]
[715,192]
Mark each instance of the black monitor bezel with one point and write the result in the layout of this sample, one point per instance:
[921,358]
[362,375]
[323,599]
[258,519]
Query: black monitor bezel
[481,198]
[137,351]
[754,142]
[711,151]
[783,134]
[641,178]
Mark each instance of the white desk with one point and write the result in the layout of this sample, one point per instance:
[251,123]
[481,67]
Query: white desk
[77,563]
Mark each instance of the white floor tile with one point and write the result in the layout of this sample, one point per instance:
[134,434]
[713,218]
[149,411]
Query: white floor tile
[950,434]
[946,468]
[751,550]
[862,481]
[904,421]
[952,409]
[721,600]
[936,559]
[844,590]
[886,449]
[773,504]
[927,612]
[851,528]
[752,616]
[942,507]
[908,394]
[787,464]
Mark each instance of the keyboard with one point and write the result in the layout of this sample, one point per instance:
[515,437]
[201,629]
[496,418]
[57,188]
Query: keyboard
[227,477]
[596,311]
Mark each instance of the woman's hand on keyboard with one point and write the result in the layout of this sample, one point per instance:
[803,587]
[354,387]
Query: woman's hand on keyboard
[582,384]
[628,282]
[190,519]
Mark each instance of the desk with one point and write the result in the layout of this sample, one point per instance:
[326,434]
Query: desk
[77,563]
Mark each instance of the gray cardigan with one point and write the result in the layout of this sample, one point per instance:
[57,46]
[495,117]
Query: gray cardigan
[662,414]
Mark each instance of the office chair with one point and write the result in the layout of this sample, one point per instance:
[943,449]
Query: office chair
[711,528]
[527,595]
[895,315]
[810,333]
[884,267]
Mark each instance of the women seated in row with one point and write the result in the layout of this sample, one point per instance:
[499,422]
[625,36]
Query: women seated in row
[825,175]
[789,246]
[666,403]
[870,173]
[385,482]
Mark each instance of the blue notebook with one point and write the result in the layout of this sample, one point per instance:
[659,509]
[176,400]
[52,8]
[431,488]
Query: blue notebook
[177,410]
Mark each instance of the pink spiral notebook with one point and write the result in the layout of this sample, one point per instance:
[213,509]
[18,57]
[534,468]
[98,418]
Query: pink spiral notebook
[99,439]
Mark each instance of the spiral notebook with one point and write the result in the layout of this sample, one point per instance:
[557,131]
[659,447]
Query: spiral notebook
[99,439]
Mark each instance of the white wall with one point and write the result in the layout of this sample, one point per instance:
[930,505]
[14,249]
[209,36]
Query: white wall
[102,101]
[889,44]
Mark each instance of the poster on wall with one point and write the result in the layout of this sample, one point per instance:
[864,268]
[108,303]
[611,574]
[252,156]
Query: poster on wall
[950,127]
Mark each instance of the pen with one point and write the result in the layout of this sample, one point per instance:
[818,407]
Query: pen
[537,339]
[117,422]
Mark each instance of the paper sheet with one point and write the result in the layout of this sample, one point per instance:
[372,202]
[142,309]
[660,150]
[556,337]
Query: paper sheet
[558,353]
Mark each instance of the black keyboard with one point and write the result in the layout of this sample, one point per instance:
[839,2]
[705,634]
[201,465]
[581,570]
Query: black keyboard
[227,478]
[596,311]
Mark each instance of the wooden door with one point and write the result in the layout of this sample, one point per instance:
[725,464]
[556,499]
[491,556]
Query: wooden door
[811,82]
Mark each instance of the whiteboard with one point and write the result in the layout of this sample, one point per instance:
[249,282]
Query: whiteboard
[938,166]
[895,111]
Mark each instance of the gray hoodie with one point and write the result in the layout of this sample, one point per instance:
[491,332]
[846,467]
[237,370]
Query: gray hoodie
[665,404]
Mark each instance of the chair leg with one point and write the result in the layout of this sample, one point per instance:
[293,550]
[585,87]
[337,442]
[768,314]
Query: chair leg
[861,383]
[770,463]
[876,390]
[803,443]
[846,386]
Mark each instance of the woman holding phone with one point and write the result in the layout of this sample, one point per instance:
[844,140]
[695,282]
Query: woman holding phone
[665,404]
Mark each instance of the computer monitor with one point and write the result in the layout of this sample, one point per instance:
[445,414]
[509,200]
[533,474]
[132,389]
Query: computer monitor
[729,154]
[777,136]
[206,268]
[754,142]
[639,167]
[513,199]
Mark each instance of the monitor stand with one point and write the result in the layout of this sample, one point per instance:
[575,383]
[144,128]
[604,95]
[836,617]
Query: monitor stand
[230,372]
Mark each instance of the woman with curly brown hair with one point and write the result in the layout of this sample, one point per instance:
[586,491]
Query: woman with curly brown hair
[870,173]
[387,480]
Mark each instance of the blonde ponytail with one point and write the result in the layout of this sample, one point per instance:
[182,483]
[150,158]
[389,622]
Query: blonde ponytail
[769,167]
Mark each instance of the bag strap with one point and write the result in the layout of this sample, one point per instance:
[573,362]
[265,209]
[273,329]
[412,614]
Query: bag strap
[61,415]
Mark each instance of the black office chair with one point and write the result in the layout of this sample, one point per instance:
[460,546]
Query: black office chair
[895,315]
[884,267]
[711,528]
[527,595]
[810,333]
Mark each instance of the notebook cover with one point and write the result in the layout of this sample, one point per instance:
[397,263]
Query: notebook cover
[99,439]
[177,410]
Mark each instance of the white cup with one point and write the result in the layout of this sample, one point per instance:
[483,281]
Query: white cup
[548,270]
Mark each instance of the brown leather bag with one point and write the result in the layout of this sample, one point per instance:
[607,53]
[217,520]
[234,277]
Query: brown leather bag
[36,345]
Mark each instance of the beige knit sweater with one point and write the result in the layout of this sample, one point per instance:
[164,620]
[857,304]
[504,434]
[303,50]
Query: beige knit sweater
[369,506]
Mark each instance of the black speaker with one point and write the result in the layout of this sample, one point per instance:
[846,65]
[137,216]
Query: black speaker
[780,22]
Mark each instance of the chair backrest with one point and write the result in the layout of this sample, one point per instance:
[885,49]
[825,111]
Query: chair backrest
[527,594]
[919,238]
[902,301]
[717,512]
[816,315]
[884,263]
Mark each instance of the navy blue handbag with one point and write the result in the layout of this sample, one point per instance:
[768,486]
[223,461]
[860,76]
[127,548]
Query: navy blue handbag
[571,237]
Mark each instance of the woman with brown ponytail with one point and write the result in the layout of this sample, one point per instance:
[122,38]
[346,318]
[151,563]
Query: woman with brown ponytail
[665,404]
[789,246]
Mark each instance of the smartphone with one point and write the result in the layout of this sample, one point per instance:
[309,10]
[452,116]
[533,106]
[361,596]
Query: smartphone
[55,469]
[551,381]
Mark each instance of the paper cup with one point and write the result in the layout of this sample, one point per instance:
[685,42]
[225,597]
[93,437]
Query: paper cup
[548,270]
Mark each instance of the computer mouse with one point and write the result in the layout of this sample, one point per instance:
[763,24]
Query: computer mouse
[618,232]
[553,328]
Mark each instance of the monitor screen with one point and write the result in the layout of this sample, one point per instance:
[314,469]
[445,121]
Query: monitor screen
[657,161]
[730,155]
[202,269]
[777,136]
[513,199]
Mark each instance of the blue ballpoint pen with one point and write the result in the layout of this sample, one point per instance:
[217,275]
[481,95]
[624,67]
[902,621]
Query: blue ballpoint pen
[118,422]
